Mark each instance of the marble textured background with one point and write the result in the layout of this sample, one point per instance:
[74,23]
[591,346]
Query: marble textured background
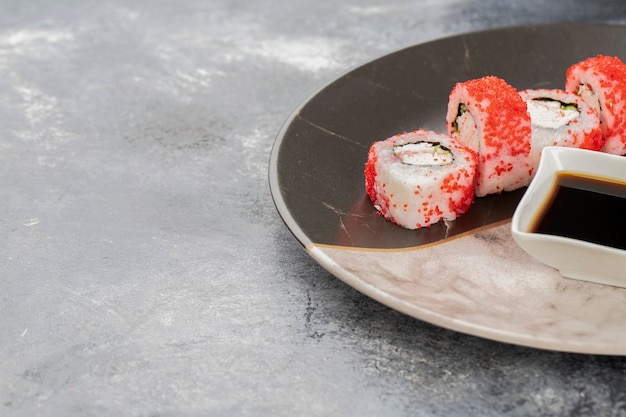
[144,270]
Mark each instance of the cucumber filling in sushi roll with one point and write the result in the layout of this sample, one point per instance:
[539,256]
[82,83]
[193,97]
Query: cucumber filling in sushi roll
[465,127]
[424,153]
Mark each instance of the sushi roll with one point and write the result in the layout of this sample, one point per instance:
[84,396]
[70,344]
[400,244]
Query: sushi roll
[488,115]
[559,118]
[601,82]
[419,178]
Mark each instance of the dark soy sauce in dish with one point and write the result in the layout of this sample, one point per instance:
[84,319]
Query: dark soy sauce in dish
[584,207]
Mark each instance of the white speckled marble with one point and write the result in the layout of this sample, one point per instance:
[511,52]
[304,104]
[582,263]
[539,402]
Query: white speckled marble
[484,284]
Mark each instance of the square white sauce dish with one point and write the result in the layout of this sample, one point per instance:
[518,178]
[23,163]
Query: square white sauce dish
[573,215]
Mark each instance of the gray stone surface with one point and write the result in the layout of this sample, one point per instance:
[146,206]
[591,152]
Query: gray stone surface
[144,270]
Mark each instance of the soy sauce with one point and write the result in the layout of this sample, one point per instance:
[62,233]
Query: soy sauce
[586,208]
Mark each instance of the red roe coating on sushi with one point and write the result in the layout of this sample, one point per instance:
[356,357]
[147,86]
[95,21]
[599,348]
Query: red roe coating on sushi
[370,173]
[610,73]
[454,182]
[505,102]
[610,66]
[593,141]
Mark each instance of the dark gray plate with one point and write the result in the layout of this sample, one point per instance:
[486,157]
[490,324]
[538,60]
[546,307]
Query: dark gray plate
[316,165]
